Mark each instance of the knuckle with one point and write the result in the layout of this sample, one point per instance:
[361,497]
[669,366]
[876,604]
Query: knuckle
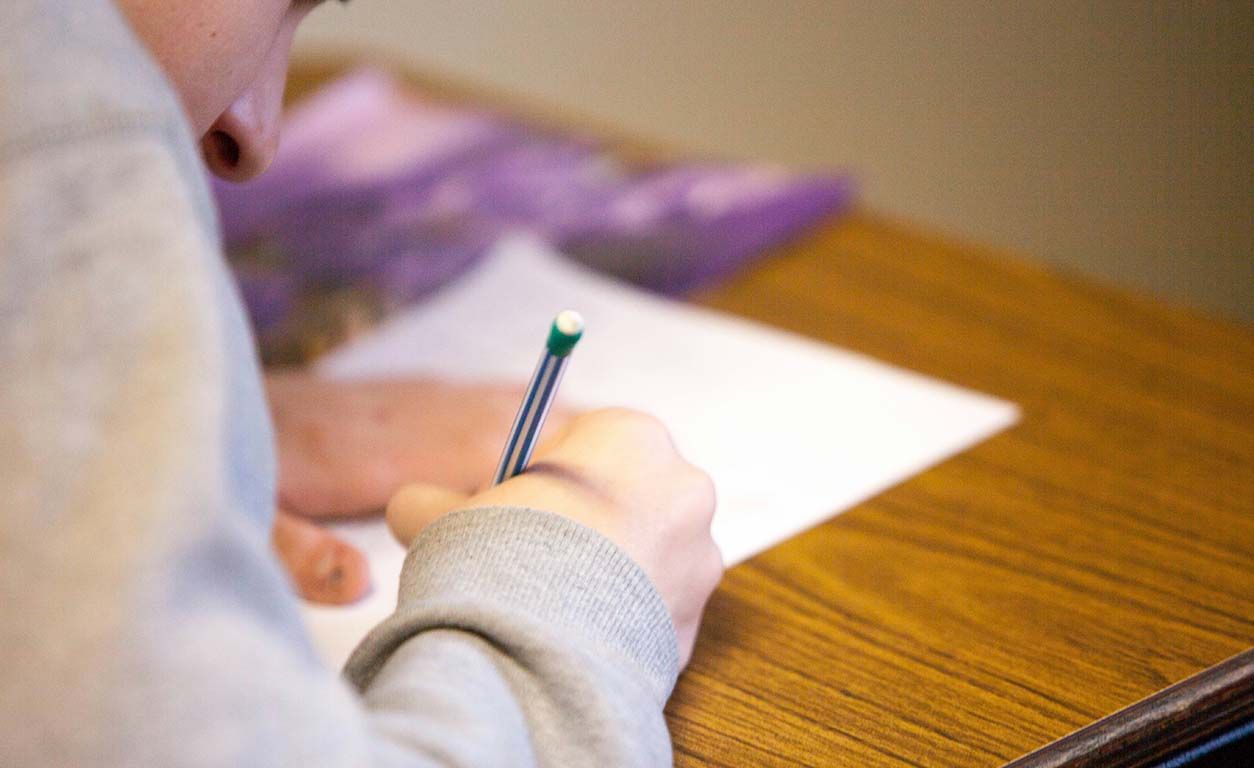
[702,491]
[714,567]
[603,418]
[647,424]
[612,414]
[638,423]
[709,492]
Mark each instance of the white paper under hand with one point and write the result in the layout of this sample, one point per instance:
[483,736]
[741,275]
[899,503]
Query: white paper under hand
[792,431]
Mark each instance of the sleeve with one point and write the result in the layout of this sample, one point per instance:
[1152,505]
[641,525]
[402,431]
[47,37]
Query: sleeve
[523,617]
[143,620]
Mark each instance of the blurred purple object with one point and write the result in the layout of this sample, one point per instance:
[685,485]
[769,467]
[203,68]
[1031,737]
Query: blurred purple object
[377,198]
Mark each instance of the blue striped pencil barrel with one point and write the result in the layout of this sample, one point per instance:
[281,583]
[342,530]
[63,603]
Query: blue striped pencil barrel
[565,332]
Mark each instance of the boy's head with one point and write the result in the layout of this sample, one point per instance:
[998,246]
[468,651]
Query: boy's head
[228,61]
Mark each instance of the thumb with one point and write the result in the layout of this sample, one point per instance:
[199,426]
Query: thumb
[418,505]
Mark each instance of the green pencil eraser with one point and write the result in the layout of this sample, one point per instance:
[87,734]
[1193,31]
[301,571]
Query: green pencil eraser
[565,333]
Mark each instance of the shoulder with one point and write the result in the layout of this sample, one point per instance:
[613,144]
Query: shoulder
[72,70]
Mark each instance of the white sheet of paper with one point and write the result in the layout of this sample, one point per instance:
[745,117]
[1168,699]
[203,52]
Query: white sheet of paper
[792,431]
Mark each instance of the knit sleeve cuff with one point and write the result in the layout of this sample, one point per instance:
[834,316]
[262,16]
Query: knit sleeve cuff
[540,567]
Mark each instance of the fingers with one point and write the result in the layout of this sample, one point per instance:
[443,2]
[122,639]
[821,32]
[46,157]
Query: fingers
[556,426]
[323,568]
[417,505]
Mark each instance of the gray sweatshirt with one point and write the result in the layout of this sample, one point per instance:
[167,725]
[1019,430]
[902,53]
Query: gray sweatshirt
[143,619]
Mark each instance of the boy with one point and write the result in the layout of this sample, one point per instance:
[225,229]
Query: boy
[142,618]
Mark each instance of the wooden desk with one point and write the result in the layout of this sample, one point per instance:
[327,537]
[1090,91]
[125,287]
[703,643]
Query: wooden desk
[1098,552]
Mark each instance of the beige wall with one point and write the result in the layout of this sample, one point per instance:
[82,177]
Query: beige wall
[1111,137]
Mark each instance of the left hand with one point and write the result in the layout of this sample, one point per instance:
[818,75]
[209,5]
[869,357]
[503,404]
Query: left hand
[346,446]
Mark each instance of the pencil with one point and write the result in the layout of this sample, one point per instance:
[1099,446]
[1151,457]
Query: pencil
[563,335]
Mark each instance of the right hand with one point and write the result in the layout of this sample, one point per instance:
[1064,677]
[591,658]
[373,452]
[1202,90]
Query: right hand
[617,472]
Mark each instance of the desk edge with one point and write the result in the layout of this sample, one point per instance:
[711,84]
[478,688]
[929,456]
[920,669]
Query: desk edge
[1153,729]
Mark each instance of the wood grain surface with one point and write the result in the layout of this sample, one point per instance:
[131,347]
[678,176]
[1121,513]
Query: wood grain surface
[1213,702]
[1100,551]
[1096,553]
